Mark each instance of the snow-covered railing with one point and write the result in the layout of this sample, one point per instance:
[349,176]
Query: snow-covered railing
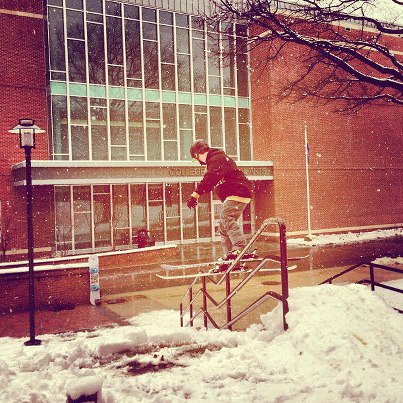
[192,295]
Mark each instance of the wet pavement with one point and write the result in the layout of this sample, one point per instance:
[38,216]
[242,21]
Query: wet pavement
[138,289]
[316,257]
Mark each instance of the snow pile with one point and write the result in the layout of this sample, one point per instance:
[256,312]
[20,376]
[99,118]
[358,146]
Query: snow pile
[350,237]
[389,261]
[344,344]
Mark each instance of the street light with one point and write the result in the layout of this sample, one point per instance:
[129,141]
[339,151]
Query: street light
[27,129]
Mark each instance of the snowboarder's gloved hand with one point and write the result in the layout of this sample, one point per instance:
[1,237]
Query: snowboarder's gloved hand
[192,202]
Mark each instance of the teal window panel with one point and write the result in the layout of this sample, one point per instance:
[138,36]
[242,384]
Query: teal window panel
[134,94]
[200,99]
[243,102]
[230,101]
[97,91]
[117,92]
[78,90]
[168,96]
[58,88]
[185,98]
[214,100]
[152,95]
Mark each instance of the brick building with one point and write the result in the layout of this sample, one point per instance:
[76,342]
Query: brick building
[123,88]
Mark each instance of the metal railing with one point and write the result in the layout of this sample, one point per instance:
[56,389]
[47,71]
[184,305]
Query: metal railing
[371,280]
[192,295]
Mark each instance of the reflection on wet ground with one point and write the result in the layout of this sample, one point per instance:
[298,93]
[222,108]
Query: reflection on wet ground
[318,257]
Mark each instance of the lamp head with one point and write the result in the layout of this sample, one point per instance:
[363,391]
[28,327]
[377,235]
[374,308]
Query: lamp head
[26,129]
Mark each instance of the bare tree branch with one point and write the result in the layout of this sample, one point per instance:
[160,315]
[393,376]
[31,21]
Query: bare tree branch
[349,55]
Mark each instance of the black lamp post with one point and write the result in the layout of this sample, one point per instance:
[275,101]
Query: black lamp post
[27,129]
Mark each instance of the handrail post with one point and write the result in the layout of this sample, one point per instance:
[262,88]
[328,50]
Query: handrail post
[227,292]
[372,276]
[204,301]
[181,313]
[284,271]
[191,307]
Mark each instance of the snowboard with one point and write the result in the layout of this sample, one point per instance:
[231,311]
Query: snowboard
[95,288]
[209,273]
[272,258]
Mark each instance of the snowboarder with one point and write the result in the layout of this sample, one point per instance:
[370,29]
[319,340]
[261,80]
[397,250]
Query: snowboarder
[233,189]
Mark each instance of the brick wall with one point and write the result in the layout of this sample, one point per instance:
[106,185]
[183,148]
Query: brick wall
[71,286]
[23,95]
[355,165]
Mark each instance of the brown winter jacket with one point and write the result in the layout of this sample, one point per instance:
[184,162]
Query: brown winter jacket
[224,176]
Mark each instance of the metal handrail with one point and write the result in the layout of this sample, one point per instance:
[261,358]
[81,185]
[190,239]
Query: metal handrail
[356,266]
[229,294]
[371,281]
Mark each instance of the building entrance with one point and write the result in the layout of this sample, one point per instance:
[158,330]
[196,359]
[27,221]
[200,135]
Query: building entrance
[104,217]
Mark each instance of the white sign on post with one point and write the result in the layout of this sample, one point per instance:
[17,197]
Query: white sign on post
[95,289]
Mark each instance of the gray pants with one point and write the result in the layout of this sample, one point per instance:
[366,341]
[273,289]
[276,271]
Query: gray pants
[232,236]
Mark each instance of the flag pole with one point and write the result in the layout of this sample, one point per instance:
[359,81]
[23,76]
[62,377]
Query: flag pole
[308,198]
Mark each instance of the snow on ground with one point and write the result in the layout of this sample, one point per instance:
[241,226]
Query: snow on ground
[344,344]
[349,237]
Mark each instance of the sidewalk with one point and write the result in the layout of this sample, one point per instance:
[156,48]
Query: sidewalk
[159,294]
[81,317]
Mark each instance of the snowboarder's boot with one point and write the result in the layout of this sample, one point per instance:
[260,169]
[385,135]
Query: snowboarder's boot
[221,268]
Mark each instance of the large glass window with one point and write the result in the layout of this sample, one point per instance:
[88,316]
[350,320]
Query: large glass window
[188,215]
[102,215]
[167,57]
[185,130]
[204,216]
[136,133]
[56,39]
[230,132]
[60,127]
[120,215]
[76,4]
[114,40]
[151,79]
[132,52]
[169,125]
[183,59]
[79,128]
[96,60]
[99,132]
[82,217]
[214,71]
[244,135]
[228,64]
[138,207]
[170,132]
[172,211]
[216,127]
[199,65]
[113,8]
[156,211]
[105,216]
[118,129]
[201,127]
[242,66]
[77,69]
[75,24]
[94,6]
[79,142]
[153,133]
[63,229]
